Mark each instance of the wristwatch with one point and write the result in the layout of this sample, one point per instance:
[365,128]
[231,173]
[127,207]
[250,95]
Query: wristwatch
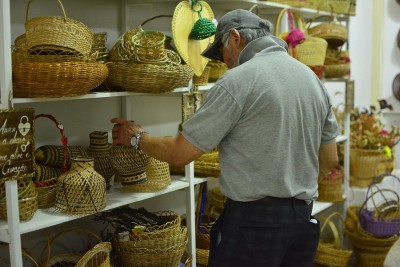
[135,139]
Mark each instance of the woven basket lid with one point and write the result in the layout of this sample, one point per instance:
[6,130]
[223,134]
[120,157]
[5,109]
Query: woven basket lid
[182,23]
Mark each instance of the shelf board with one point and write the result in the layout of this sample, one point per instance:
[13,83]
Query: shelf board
[116,197]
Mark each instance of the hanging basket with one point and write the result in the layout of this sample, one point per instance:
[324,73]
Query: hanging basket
[58,31]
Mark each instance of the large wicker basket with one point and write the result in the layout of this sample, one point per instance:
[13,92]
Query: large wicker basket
[56,79]
[57,31]
[147,78]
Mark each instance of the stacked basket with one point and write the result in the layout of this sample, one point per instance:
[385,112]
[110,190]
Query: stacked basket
[153,245]
[140,62]
[374,227]
[53,58]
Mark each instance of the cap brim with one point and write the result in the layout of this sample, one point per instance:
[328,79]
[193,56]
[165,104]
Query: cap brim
[213,51]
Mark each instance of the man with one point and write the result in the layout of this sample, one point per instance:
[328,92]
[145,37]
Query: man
[272,120]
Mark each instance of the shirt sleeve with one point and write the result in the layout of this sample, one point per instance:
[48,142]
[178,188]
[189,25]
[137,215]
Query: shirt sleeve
[331,129]
[213,121]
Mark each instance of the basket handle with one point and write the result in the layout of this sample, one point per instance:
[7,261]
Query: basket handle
[102,247]
[59,1]
[381,191]
[332,226]
[64,139]
[47,247]
[152,18]
[296,18]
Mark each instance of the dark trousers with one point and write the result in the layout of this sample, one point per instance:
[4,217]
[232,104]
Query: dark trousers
[270,232]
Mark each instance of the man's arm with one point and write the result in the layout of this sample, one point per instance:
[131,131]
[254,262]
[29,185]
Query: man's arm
[328,159]
[176,151]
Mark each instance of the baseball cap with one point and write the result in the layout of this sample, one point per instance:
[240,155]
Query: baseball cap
[236,19]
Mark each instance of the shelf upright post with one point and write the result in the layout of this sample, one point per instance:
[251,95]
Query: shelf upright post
[190,211]
[14,233]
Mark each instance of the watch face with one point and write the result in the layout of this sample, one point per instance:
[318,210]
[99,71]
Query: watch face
[133,140]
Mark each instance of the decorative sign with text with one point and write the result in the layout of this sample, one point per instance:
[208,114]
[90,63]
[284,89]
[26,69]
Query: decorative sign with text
[17,143]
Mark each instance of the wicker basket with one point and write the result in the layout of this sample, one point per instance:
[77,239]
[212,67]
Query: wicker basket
[330,188]
[27,199]
[338,6]
[294,3]
[207,164]
[203,79]
[51,257]
[57,79]
[98,256]
[364,165]
[81,190]
[312,50]
[129,164]
[331,253]
[218,69]
[158,177]
[332,31]
[373,219]
[57,31]
[337,71]
[147,78]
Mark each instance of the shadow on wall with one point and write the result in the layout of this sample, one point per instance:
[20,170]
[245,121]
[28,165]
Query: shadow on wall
[394,10]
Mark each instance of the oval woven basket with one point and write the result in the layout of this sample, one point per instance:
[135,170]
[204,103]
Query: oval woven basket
[147,78]
[61,79]
[57,31]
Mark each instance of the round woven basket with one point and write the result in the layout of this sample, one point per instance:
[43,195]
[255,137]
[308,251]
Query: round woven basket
[337,70]
[147,78]
[158,177]
[218,68]
[330,188]
[27,199]
[129,164]
[81,190]
[57,31]
[364,165]
[332,31]
[203,79]
[57,79]
[207,164]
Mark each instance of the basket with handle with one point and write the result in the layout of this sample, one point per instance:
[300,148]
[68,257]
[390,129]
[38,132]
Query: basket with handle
[57,31]
[375,220]
[331,30]
[330,188]
[48,257]
[46,176]
[312,50]
[331,253]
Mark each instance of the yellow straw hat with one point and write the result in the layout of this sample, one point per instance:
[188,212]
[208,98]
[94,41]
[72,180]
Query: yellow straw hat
[182,24]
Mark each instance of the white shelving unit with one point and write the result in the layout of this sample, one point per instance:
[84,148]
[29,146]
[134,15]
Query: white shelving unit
[11,230]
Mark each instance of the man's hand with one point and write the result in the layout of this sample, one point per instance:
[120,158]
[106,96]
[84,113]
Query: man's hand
[123,130]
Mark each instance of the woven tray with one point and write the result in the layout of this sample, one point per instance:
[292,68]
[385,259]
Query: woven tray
[59,79]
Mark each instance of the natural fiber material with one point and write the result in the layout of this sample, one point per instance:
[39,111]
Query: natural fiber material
[337,6]
[50,259]
[332,31]
[53,155]
[27,199]
[364,165]
[46,193]
[57,79]
[373,219]
[217,70]
[147,78]
[337,71]
[330,188]
[99,149]
[81,190]
[158,177]
[57,31]
[130,164]
[294,3]
[203,78]
[149,46]
[331,252]
[50,54]
[207,164]
[190,49]
[98,256]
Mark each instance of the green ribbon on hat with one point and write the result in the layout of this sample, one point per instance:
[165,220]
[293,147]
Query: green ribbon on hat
[203,27]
